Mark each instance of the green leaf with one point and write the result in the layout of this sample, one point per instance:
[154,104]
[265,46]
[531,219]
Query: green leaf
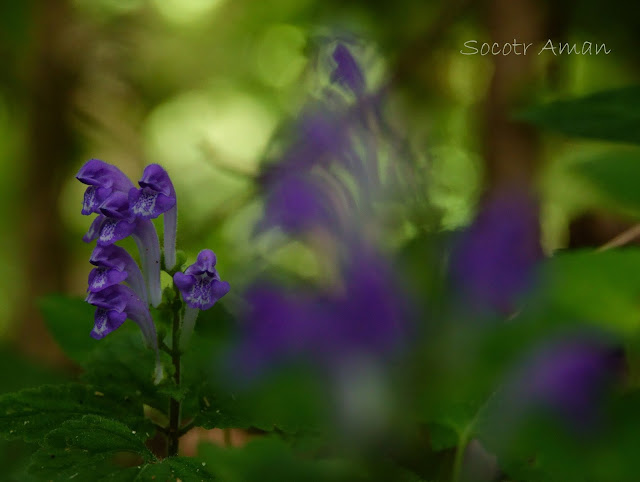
[86,448]
[615,174]
[612,115]
[602,288]
[31,414]
[70,321]
[122,365]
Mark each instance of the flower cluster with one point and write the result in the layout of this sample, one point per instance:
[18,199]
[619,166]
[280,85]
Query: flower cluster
[124,210]
[327,180]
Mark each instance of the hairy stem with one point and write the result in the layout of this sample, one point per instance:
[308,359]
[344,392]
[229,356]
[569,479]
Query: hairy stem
[174,405]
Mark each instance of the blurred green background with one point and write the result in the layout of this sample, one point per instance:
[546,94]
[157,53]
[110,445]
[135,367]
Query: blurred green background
[202,86]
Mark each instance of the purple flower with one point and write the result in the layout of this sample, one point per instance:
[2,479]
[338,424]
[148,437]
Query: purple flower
[347,71]
[299,203]
[201,287]
[570,377]
[565,381]
[112,260]
[200,284]
[103,180]
[157,196]
[494,261]
[114,305]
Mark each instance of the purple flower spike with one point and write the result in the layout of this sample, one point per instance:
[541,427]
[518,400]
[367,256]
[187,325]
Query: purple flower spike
[117,258]
[157,196]
[103,180]
[201,287]
[347,71]
[112,304]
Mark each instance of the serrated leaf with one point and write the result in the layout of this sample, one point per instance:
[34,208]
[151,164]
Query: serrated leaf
[85,448]
[185,469]
[98,448]
[69,320]
[612,115]
[222,411]
[615,174]
[31,414]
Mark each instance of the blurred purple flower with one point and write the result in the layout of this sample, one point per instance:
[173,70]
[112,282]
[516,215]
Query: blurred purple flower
[368,317]
[570,378]
[494,261]
[347,71]
[297,203]
[201,288]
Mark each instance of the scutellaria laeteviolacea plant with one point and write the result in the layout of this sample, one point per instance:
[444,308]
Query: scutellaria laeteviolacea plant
[125,210]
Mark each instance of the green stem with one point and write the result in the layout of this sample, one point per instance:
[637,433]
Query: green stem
[463,441]
[174,405]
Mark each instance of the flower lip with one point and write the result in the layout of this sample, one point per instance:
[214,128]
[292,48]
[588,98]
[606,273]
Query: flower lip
[148,203]
[106,321]
[94,229]
[102,278]
[94,196]
[113,230]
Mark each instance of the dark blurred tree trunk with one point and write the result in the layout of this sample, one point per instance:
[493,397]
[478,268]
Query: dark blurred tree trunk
[511,147]
[49,151]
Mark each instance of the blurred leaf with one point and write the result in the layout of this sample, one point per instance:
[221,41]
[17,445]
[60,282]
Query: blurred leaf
[24,372]
[69,320]
[616,175]
[595,287]
[85,448]
[612,115]
[270,459]
[542,449]
[32,413]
